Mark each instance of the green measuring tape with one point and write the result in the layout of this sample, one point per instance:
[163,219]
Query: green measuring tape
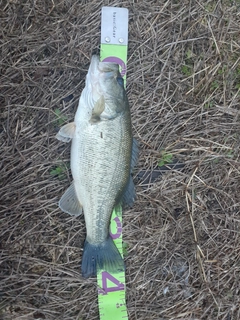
[114,45]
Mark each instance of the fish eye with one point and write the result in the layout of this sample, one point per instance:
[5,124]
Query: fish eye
[120,81]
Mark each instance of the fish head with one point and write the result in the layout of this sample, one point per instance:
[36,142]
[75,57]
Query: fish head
[106,87]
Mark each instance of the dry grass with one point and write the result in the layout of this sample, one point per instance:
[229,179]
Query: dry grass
[184,231]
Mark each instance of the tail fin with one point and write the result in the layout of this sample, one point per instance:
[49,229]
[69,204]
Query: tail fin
[104,256]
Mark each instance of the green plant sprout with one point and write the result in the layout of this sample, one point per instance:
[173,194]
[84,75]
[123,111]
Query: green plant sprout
[166,158]
[125,247]
[60,171]
[60,117]
[189,54]
[214,85]
[209,104]
[186,70]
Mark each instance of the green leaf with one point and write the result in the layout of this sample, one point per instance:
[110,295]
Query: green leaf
[230,154]
[209,104]
[186,70]
[189,54]
[61,119]
[214,85]
[60,171]
[237,86]
[166,158]
[125,247]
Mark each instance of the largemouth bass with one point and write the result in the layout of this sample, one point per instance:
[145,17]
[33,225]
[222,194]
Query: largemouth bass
[103,153]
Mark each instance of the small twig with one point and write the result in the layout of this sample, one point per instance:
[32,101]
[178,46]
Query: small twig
[199,253]
[214,39]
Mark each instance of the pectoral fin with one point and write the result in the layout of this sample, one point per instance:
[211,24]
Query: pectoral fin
[69,202]
[98,110]
[66,133]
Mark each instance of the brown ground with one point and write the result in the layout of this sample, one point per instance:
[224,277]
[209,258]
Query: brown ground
[183,234]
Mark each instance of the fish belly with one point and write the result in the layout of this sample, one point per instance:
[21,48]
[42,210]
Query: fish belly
[100,164]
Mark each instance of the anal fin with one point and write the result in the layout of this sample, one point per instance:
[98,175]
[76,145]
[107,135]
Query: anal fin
[129,195]
[135,152]
[69,202]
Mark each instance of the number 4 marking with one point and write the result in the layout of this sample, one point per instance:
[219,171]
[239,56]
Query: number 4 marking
[105,288]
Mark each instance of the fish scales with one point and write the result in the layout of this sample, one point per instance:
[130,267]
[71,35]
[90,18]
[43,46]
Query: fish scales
[102,172]
[103,154]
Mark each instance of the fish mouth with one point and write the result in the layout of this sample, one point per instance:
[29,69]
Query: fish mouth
[93,68]
[108,67]
[99,72]
[100,80]
[97,66]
